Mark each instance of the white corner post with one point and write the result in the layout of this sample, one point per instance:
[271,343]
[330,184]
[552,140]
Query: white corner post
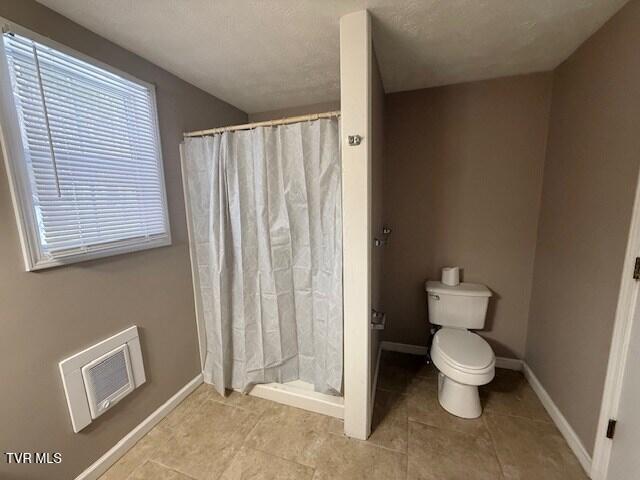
[355,105]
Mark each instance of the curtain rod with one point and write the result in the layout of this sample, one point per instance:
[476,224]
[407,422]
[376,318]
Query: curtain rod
[267,123]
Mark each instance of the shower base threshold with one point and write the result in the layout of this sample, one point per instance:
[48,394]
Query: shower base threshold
[300,394]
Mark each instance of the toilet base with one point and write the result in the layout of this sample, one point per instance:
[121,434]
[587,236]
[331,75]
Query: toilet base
[458,399]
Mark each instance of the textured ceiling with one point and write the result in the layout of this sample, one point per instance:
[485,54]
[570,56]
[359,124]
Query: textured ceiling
[267,54]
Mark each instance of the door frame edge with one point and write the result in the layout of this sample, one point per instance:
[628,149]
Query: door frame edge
[619,347]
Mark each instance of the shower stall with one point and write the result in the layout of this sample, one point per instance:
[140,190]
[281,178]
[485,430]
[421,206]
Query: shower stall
[264,216]
[282,219]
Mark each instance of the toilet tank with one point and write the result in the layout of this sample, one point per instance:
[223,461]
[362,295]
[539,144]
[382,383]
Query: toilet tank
[462,306]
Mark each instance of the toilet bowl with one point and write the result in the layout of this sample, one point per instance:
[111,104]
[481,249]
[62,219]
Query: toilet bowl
[464,361]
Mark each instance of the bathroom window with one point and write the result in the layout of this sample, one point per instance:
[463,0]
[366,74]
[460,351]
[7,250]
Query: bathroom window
[82,148]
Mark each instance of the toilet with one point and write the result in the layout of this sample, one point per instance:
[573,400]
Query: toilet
[464,359]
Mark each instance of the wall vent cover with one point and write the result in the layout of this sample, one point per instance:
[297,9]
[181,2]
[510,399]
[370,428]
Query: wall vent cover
[98,377]
[108,379]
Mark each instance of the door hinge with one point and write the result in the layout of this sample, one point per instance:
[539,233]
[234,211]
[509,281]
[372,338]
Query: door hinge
[636,269]
[611,428]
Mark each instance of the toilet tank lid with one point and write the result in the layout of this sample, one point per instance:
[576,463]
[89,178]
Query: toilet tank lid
[464,288]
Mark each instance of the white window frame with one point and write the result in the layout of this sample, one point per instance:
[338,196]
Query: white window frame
[18,175]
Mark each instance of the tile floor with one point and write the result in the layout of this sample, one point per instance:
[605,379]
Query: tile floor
[240,437]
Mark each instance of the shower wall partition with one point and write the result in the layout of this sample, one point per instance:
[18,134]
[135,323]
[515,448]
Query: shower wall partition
[265,227]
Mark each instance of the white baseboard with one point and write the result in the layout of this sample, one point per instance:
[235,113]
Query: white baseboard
[119,449]
[404,348]
[501,362]
[556,415]
[509,363]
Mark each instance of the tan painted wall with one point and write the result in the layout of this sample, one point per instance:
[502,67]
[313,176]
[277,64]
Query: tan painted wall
[589,182]
[463,182]
[46,316]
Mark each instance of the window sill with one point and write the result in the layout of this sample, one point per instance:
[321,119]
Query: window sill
[34,265]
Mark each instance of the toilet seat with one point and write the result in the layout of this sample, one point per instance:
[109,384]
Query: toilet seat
[464,349]
[463,356]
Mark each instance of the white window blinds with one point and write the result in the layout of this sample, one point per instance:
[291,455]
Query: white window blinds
[91,152]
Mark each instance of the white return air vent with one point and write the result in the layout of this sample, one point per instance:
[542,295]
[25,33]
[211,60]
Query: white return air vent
[100,376]
[107,379]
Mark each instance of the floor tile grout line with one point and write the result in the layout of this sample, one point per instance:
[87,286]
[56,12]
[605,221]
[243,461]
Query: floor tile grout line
[367,442]
[269,453]
[195,407]
[282,458]
[146,458]
[163,421]
[415,420]
[241,444]
[260,415]
[471,434]
[495,447]
[500,414]
[327,433]
[175,469]
[202,386]
[168,468]
[406,470]
[233,405]
[545,422]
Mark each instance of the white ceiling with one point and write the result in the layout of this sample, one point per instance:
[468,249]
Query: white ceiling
[268,54]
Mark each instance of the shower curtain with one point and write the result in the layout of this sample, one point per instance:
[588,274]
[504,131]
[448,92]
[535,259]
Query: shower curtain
[265,219]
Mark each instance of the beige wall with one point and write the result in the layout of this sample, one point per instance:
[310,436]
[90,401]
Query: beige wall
[48,315]
[589,182]
[294,111]
[463,182]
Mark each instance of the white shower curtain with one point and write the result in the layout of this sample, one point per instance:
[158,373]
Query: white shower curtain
[266,232]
